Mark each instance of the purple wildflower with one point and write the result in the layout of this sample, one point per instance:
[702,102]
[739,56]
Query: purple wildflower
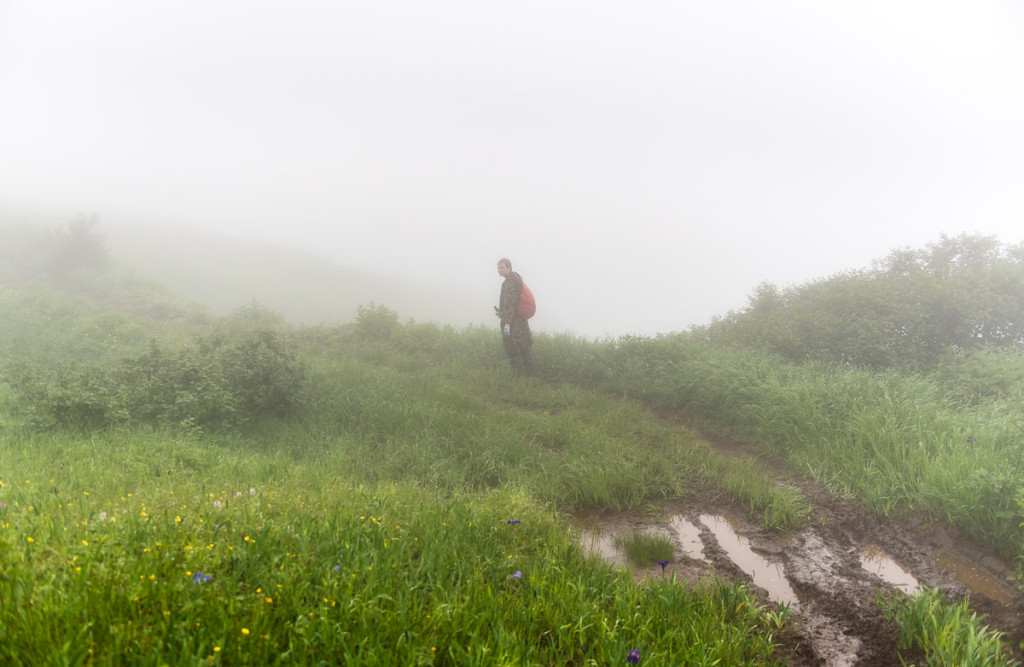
[518,575]
[337,568]
[633,657]
[970,439]
[512,522]
[662,563]
[199,578]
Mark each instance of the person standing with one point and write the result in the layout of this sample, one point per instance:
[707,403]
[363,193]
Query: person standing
[515,330]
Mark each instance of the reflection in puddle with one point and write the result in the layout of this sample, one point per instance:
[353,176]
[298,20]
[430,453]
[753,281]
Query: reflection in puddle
[597,536]
[596,543]
[765,574]
[971,578]
[689,537]
[876,561]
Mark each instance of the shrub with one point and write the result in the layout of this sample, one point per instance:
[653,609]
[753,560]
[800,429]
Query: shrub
[984,375]
[217,382]
[71,394]
[376,322]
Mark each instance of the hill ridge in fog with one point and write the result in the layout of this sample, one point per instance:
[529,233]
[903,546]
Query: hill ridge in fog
[226,273]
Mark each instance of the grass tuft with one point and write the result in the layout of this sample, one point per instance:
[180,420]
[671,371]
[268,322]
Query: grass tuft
[645,548]
[945,629]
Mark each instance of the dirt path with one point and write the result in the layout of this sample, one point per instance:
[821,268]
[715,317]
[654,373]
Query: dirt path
[829,573]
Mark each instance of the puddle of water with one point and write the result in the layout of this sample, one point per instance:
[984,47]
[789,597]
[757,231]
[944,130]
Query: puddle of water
[597,533]
[597,543]
[689,537]
[973,579]
[876,561]
[767,575]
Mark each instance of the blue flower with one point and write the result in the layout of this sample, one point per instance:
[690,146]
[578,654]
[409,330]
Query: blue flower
[517,575]
[970,439]
[512,522]
[633,657]
[662,563]
[337,568]
[199,578]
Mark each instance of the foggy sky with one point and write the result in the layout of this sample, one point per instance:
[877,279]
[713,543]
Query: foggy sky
[645,165]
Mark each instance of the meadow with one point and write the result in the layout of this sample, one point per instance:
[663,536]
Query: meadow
[410,510]
[178,488]
[147,551]
[401,516]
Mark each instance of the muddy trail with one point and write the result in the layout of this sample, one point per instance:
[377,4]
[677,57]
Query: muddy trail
[829,573]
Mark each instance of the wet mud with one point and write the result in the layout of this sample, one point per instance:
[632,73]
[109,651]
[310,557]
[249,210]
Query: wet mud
[829,574]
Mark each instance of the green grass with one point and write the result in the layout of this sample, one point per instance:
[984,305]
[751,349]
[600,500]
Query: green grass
[645,549]
[409,515]
[895,442]
[448,414]
[412,450]
[46,326]
[947,631]
[134,549]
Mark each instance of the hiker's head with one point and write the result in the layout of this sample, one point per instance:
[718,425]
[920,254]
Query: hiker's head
[504,267]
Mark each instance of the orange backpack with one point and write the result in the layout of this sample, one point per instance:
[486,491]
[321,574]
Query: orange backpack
[527,304]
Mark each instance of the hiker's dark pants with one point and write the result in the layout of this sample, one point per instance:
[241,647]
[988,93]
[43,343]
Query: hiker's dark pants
[519,356]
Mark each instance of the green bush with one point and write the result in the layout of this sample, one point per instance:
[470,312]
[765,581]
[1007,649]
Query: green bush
[216,382]
[984,375]
[71,394]
[376,322]
[911,311]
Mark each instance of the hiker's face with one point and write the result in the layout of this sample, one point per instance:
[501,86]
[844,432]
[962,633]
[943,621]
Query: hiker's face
[504,270]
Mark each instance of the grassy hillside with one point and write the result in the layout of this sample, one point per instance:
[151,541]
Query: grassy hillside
[404,509]
[181,486]
[897,443]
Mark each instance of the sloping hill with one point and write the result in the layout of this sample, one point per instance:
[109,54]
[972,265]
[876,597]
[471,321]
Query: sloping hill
[226,273]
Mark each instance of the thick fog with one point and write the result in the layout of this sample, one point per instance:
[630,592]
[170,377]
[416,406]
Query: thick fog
[645,165]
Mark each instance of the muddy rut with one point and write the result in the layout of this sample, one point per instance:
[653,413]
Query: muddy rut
[828,573]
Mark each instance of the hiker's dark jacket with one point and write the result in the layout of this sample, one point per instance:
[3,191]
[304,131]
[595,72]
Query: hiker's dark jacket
[508,304]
